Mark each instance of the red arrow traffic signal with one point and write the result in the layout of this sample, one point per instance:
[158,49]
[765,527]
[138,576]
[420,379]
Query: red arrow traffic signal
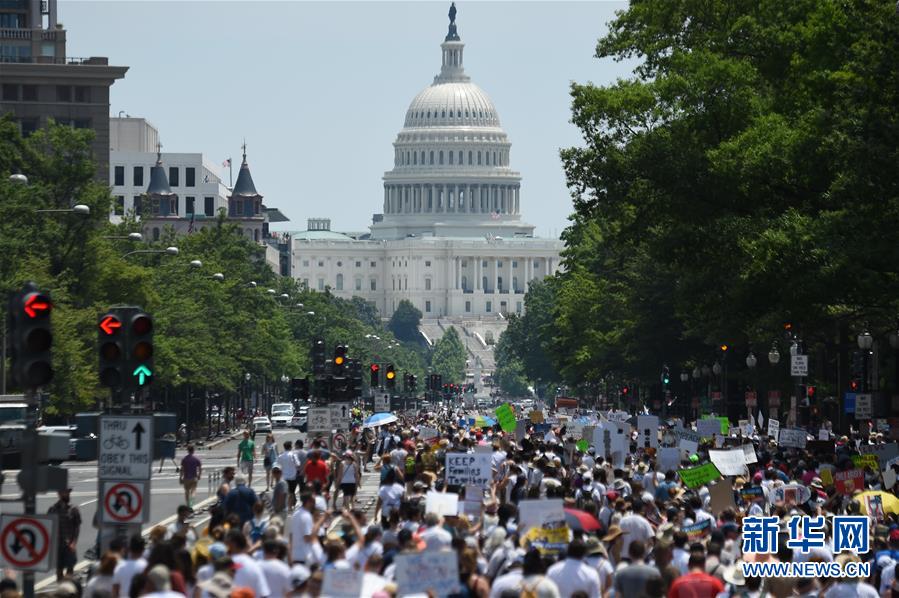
[110,324]
[36,305]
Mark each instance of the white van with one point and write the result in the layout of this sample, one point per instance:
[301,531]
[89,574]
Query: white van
[282,414]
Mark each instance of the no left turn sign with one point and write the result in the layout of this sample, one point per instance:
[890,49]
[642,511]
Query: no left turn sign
[125,502]
[27,541]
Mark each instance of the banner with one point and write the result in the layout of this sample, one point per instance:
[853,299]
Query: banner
[773,429]
[426,433]
[463,469]
[431,570]
[789,494]
[792,437]
[698,531]
[550,541]
[540,513]
[732,462]
[750,493]
[884,452]
[442,503]
[697,476]
[847,482]
[868,461]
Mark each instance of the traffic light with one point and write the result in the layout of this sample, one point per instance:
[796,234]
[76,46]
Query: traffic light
[375,371]
[666,376]
[854,385]
[625,392]
[318,357]
[810,392]
[297,388]
[355,367]
[111,348]
[339,361]
[390,377]
[139,352]
[413,383]
[405,382]
[32,339]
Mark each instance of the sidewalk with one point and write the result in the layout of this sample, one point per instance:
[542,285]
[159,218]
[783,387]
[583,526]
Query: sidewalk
[226,438]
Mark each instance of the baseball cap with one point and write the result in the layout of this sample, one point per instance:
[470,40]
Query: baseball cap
[298,575]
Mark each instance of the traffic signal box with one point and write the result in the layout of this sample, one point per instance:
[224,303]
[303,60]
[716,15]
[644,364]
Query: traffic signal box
[125,348]
[318,357]
[355,371]
[390,377]
[31,337]
[374,371]
[339,363]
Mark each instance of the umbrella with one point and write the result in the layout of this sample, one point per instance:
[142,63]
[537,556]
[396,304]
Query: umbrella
[889,501]
[379,419]
[482,421]
[579,520]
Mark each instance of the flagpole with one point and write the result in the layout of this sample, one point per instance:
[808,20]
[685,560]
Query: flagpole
[230,181]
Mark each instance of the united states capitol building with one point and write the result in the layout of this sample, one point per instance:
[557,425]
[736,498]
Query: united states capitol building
[450,239]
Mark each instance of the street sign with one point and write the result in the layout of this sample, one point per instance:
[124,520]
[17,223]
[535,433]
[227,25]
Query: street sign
[319,419]
[341,416]
[125,447]
[382,403]
[28,542]
[799,365]
[864,406]
[125,502]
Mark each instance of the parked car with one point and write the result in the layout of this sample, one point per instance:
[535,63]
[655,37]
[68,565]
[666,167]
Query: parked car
[300,419]
[282,415]
[261,425]
[70,430]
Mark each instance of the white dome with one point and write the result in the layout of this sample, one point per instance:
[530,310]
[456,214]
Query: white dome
[452,104]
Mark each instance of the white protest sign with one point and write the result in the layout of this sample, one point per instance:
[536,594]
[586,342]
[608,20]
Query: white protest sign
[463,469]
[708,427]
[687,446]
[610,442]
[773,429]
[732,462]
[431,570]
[792,437]
[648,431]
[669,458]
[426,433]
[864,406]
[746,427]
[342,583]
[618,416]
[442,503]
[540,513]
[749,454]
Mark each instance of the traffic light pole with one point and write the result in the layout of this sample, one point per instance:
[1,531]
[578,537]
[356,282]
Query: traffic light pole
[29,496]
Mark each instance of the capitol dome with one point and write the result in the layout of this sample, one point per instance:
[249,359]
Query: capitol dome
[451,171]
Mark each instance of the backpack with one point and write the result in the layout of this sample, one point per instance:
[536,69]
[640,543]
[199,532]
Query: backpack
[410,465]
[257,530]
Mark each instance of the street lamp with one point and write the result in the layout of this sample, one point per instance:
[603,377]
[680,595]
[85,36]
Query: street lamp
[168,251]
[751,360]
[18,179]
[129,237]
[684,376]
[774,355]
[716,369]
[865,342]
[80,209]
[696,373]
[218,276]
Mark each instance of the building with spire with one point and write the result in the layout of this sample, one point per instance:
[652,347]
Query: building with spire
[450,238]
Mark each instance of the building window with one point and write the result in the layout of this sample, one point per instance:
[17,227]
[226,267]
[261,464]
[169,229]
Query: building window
[451,158]
[321,264]
[464,283]
[209,207]
[339,264]
[406,284]
[238,207]
[469,157]
[441,157]
[321,284]
[460,157]
[137,205]
[189,204]
[432,156]
[173,206]
[358,264]
[155,233]
[373,264]
[518,307]
[499,283]
[119,205]
[479,158]
[467,306]
[499,264]
[428,306]
[514,283]
[305,283]
[489,307]
[173,176]
[374,284]
[138,176]
[10,92]
[29,93]
[306,263]
[82,94]
[484,264]
[63,93]
[119,176]
[514,264]
[427,284]
[358,284]
[339,283]
[427,263]
[190,176]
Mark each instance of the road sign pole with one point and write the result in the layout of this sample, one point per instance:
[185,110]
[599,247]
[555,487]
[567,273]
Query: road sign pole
[29,497]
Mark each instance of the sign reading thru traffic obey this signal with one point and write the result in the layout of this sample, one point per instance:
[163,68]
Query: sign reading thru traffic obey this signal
[125,502]
[28,542]
[125,447]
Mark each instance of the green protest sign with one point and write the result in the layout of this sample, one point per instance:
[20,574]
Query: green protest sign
[697,476]
[725,425]
[506,417]
[582,446]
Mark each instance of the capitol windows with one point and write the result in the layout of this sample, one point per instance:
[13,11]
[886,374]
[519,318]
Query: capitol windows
[373,264]
[489,307]
[466,114]
[469,157]
[499,264]
[467,306]
[441,157]
[422,158]
[460,157]
[414,159]
[432,157]
[321,264]
[306,263]
[451,113]
[321,284]
[515,283]
[484,264]
[451,157]
[479,158]
[427,306]
[339,264]
[443,114]
[427,284]
[339,283]
[358,284]
[464,283]
[358,264]
[427,263]
[518,307]
[374,284]
[514,264]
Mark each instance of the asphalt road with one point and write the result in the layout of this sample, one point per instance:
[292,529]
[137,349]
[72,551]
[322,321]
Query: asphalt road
[167,494]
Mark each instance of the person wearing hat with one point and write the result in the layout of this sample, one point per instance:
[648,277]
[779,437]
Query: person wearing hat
[68,524]
[299,575]
[220,585]
[349,477]
[599,560]
[614,540]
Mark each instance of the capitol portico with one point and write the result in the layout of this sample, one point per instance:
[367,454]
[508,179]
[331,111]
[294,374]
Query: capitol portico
[450,238]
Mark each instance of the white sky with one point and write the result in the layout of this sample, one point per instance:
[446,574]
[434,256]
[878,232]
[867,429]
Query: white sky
[320,89]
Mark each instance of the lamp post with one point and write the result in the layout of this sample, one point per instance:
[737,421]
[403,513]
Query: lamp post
[248,392]
[865,342]
[894,343]
[173,251]
[773,359]
[136,237]
[751,362]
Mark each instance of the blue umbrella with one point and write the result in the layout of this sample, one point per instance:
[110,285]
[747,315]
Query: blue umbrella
[379,419]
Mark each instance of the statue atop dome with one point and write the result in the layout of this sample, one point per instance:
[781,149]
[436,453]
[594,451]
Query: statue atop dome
[452,35]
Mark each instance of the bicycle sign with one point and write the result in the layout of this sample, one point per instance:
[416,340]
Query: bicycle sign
[125,447]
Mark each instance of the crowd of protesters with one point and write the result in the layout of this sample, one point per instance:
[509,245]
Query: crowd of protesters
[638,531]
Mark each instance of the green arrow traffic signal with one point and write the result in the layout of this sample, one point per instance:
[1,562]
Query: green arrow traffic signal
[142,372]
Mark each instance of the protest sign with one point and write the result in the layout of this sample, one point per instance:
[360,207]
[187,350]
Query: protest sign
[731,462]
[610,442]
[773,429]
[463,469]
[536,417]
[582,446]
[521,429]
[506,417]
[826,476]
[648,431]
[750,493]
[669,458]
[426,433]
[540,513]
[683,434]
[698,531]
[697,476]
[868,461]
[721,496]
[889,478]
[342,583]
[618,416]
[874,504]
[687,447]
[442,503]
[884,452]
[550,541]
[708,427]
[849,481]
[749,454]
[789,494]
[434,570]
[792,437]
[725,425]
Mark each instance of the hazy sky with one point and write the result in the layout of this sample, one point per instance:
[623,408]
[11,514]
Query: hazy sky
[320,89]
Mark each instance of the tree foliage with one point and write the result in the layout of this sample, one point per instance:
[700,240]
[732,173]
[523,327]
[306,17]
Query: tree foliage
[405,320]
[448,358]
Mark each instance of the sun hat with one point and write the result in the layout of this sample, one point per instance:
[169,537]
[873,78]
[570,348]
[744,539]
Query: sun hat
[734,574]
[614,532]
[220,585]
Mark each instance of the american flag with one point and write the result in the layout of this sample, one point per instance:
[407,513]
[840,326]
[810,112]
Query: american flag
[226,163]
[190,225]
[494,215]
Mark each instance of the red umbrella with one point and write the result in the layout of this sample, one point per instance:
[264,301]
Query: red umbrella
[579,520]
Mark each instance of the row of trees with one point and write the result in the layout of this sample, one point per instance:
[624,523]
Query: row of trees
[742,180]
[209,333]
[448,355]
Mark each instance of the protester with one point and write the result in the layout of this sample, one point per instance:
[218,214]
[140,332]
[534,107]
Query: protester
[246,456]
[69,528]
[191,470]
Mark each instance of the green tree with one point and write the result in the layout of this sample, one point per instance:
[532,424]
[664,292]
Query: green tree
[404,321]
[509,374]
[448,357]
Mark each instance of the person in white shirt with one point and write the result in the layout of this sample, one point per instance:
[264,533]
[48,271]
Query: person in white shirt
[129,567]
[573,574]
[287,461]
[435,537]
[276,571]
[635,526]
[249,573]
[390,495]
[301,531]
